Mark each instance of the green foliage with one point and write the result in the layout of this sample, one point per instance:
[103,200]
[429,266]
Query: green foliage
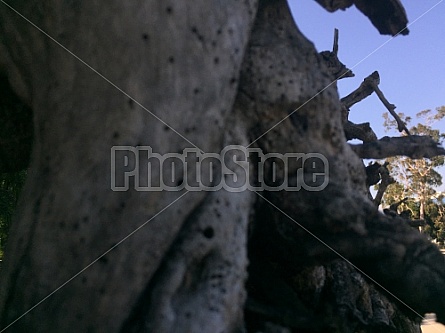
[418,179]
[10,187]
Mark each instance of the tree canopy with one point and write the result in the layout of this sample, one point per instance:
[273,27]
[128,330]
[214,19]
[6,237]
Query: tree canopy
[418,180]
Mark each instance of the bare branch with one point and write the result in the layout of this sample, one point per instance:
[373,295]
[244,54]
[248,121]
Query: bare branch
[362,132]
[401,126]
[413,146]
[388,16]
[369,85]
[396,205]
[373,174]
[335,66]
[332,6]
[364,90]
[386,181]
[412,223]
[335,47]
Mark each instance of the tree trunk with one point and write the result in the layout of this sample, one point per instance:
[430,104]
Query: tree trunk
[217,74]
[422,211]
[181,61]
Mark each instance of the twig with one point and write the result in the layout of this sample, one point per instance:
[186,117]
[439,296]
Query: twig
[390,107]
[335,47]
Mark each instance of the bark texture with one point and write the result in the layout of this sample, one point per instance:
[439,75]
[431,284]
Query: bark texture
[180,61]
[236,72]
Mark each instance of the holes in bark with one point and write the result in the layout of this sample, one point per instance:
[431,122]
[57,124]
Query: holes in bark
[196,91]
[145,37]
[216,60]
[130,103]
[197,34]
[116,134]
[84,280]
[208,232]
[171,60]
[169,10]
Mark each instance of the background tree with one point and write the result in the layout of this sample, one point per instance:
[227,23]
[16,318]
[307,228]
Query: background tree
[417,179]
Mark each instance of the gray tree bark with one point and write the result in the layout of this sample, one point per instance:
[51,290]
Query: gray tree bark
[216,74]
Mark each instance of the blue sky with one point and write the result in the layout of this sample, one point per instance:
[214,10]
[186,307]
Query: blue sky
[412,67]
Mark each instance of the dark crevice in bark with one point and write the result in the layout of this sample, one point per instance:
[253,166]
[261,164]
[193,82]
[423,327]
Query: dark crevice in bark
[138,318]
[271,297]
[16,129]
